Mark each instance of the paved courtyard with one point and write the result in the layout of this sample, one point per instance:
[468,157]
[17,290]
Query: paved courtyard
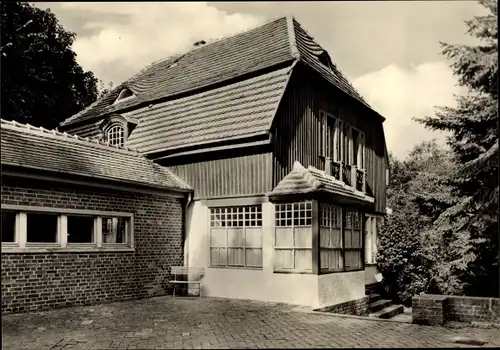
[165,323]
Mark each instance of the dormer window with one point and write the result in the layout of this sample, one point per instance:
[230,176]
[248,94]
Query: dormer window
[115,135]
[324,59]
[125,94]
[116,129]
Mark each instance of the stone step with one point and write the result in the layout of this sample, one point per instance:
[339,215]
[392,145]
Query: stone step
[379,305]
[388,312]
[374,297]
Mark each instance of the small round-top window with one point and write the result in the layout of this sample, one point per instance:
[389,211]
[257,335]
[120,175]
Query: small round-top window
[115,135]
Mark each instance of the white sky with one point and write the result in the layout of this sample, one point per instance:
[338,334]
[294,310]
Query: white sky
[389,50]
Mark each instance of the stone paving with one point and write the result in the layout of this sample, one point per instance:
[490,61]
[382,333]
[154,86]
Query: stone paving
[166,323]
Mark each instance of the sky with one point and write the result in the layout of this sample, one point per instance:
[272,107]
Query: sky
[389,50]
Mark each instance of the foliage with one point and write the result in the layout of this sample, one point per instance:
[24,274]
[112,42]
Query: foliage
[417,194]
[463,242]
[42,84]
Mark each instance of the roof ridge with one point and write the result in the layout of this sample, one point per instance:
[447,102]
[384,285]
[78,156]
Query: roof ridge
[291,36]
[12,124]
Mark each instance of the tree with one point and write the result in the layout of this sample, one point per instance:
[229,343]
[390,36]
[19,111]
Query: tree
[42,84]
[464,238]
[418,193]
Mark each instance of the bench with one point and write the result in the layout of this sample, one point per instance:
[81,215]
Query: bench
[195,273]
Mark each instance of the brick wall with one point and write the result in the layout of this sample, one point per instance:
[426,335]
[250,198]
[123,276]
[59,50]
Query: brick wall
[438,309]
[33,281]
[358,307]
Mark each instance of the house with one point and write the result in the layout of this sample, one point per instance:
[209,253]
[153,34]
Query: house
[286,161]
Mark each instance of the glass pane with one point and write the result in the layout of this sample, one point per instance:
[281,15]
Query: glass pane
[335,259]
[356,239]
[80,229]
[353,258]
[8,226]
[335,238]
[303,259]
[253,257]
[284,237]
[324,237]
[303,237]
[218,256]
[283,259]
[253,237]
[324,258]
[217,237]
[236,257]
[41,228]
[235,237]
[348,238]
[114,230]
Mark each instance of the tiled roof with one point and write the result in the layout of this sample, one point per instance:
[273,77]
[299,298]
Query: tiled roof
[275,42]
[42,149]
[242,109]
[303,180]
[247,52]
[310,51]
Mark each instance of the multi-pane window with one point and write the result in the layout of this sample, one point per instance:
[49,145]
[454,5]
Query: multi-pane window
[115,135]
[330,237]
[353,240]
[293,237]
[340,238]
[236,236]
[37,229]
[359,148]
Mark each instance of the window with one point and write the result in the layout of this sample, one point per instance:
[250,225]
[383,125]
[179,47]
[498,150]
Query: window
[329,130]
[8,226]
[39,228]
[114,230]
[340,239]
[125,94]
[371,226]
[81,229]
[236,236]
[330,234]
[359,148]
[115,135]
[353,240]
[293,237]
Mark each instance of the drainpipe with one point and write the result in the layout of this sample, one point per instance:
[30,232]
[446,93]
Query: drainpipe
[189,199]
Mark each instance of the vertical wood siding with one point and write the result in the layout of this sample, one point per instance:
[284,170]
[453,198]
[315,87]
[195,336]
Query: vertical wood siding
[228,177]
[297,131]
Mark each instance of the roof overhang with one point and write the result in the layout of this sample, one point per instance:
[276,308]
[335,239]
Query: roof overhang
[77,178]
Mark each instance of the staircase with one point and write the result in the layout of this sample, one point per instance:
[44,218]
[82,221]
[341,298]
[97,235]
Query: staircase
[383,308]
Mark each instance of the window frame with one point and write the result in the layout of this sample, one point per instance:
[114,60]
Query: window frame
[22,245]
[108,131]
[228,211]
[308,208]
[344,249]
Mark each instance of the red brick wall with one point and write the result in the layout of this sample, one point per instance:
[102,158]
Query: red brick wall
[33,281]
[438,309]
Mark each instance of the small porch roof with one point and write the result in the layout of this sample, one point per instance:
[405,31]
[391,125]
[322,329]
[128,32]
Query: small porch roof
[310,180]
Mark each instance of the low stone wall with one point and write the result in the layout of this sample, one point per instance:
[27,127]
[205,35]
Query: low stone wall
[437,309]
[358,307]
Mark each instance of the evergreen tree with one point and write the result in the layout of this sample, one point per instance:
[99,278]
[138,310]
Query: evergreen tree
[463,242]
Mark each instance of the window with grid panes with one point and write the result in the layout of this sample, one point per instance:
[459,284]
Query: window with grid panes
[353,240]
[115,135]
[330,238]
[293,237]
[236,236]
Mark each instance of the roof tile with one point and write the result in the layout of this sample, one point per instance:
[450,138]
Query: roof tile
[38,148]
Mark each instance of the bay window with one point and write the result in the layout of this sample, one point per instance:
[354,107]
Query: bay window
[293,237]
